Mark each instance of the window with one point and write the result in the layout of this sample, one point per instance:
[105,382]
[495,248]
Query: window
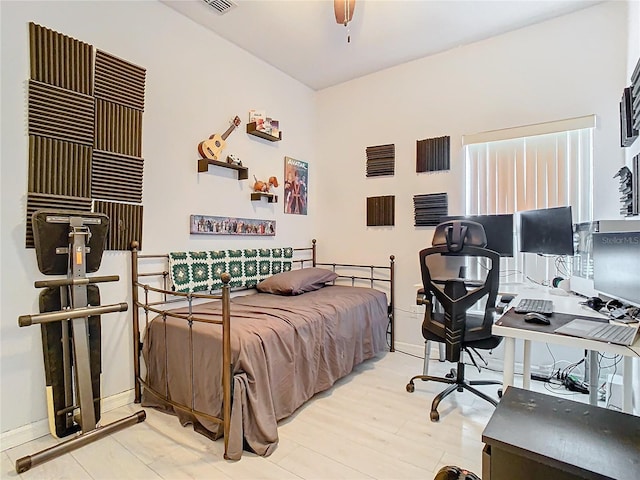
[536,166]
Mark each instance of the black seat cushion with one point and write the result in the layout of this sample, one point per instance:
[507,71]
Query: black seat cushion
[473,336]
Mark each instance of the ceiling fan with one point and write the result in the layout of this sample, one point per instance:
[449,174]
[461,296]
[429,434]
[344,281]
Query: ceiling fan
[343,10]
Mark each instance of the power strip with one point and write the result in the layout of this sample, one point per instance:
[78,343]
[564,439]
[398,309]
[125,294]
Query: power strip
[574,385]
[540,378]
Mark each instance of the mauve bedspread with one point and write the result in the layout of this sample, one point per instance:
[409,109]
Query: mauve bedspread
[284,350]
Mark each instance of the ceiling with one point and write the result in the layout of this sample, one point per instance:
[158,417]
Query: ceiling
[303,39]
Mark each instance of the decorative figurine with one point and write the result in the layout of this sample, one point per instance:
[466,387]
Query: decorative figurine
[264,187]
[233,160]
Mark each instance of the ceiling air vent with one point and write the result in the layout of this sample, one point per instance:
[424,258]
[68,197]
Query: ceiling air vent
[221,6]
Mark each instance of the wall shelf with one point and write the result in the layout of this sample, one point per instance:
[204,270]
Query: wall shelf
[257,196]
[203,166]
[251,130]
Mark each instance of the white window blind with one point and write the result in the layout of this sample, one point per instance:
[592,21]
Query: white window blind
[536,171]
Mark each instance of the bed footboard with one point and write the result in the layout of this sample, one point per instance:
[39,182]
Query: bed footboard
[150,306]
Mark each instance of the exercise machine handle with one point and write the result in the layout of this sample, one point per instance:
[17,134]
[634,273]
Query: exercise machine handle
[27,320]
[75,281]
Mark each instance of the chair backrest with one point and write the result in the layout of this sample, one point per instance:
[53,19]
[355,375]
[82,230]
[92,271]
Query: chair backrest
[457,295]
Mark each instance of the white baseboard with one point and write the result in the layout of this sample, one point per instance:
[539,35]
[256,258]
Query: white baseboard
[27,433]
[410,348]
[494,363]
[24,434]
[118,400]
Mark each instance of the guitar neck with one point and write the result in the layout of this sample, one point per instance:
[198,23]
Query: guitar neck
[228,131]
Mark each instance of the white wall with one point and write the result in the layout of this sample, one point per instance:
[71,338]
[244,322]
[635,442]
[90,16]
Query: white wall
[196,82]
[567,67]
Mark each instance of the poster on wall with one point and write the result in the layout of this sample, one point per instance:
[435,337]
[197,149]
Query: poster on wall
[210,225]
[296,181]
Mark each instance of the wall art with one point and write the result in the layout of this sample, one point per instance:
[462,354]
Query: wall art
[212,225]
[296,183]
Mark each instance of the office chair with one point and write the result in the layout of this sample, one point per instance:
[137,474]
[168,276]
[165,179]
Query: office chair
[458,330]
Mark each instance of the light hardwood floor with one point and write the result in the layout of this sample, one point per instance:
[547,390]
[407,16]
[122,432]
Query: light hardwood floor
[367,426]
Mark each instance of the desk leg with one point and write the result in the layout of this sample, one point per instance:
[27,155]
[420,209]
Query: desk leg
[509,362]
[526,366]
[593,377]
[627,384]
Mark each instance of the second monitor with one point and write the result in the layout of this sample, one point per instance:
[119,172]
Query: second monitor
[498,229]
[547,231]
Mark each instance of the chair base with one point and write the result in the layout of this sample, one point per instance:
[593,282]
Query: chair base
[456,383]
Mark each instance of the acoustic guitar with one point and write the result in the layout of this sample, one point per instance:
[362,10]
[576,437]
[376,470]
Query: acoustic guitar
[212,147]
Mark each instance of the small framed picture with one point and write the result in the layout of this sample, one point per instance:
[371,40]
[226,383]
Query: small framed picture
[296,184]
[214,225]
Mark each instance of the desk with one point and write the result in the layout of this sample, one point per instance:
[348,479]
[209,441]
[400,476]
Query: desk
[564,439]
[529,332]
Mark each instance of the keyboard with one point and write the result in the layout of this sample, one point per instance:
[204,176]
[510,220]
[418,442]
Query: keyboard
[601,331]
[618,334]
[527,305]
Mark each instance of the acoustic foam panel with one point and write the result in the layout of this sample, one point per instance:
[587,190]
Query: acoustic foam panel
[68,116]
[381,160]
[57,167]
[116,177]
[635,96]
[125,223]
[635,175]
[432,154]
[381,210]
[59,60]
[628,133]
[428,208]
[118,129]
[119,81]
[58,113]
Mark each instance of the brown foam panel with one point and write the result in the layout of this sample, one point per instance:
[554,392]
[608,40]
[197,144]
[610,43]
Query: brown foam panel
[126,223]
[59,60]
[116,177]
[58,167]
[58,113]
[119,81]
[118,129]
[381,210]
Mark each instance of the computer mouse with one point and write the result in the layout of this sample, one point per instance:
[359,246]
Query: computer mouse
[533,317]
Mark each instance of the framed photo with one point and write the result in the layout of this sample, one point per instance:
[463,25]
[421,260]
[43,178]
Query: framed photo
[210,225]
[296,183]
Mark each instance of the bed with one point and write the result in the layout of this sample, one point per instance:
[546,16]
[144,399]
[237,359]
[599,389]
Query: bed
[234,363]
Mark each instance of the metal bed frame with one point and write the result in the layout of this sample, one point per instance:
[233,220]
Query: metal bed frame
[168,296]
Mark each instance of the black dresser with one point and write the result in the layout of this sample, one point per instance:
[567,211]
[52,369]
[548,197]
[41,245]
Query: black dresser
[536,436]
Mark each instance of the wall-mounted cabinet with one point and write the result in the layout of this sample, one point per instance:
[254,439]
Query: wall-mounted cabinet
[251,130]
[257,196]
[203,166]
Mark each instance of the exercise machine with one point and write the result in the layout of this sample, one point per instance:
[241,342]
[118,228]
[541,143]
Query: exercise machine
[71,243]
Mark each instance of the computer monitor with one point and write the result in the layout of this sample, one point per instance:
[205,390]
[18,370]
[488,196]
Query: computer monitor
[498,229]
[616,265]
[546,231]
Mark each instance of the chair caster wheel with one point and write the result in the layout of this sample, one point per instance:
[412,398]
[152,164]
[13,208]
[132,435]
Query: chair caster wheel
[499,393]
[410,387]
[435,416]
[452,374]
